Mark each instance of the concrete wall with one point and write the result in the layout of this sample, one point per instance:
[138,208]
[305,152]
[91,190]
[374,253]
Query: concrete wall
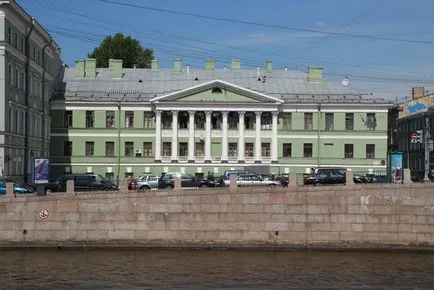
[352,216]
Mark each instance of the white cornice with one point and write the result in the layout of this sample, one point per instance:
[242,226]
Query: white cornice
[217,82]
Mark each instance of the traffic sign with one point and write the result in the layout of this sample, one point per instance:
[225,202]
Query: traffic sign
[43,214]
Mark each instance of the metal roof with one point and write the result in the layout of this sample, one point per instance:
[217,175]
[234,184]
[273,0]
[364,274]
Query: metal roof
[145,84]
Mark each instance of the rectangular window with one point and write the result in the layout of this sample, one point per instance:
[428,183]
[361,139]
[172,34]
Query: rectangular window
[266,149]
[308,121]
[147,149]
[349,150]
[370,151]
[200,149]
[129,119]
[183,149]
[90,147]
[67,119]
[349,121]
[10,74]
[22,81]
[287,121]
[129,149]
[17,74]
[248,150]
[233,150]
[167,149]
[287,150]
[329,120]
[16,40]
[109,149]
[9,35]
[110,119]
[90,119]
[67,148]
[110,176]
[22,44]
[147,120]
[371,121]
[307,150]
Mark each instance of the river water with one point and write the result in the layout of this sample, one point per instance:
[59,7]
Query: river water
[209,269]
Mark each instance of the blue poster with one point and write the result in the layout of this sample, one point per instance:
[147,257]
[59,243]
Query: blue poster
[40,171]
[395,163]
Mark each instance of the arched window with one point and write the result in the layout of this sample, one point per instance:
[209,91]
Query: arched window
[217,91]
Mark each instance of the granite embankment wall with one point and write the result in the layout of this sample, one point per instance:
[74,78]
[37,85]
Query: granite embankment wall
[355,216]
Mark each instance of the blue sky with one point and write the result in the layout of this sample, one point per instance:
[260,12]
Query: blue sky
[292,33]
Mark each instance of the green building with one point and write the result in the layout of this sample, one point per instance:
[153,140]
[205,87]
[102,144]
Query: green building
[29,65]
[126,122]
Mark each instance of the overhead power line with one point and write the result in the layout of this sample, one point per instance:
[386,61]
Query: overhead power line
[231,20]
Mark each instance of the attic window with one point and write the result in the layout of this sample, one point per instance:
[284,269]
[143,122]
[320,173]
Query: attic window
[217,91]
[196,78]
[140,81]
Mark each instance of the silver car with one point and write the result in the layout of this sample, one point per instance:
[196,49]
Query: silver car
[253,180]
[147,182]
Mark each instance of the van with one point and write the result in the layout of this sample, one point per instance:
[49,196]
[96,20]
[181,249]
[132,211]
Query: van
[87,182]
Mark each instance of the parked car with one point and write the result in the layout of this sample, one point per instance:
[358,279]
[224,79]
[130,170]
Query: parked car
[167,181]
[147,182]
[18,188]
[332,177]
[253,180]
[227,175]
[87,182]
[53,186]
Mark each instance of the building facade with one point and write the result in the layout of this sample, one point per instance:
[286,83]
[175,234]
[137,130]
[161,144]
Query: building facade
[413,132]
[127,122]
[29,64]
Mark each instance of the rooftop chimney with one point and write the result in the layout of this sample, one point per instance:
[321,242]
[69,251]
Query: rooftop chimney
[269,65]
[115,65]
[209,64]
[79,68]
[236,65]
[177,65]
[90,68]
[315,74]
[154,65]
[417,92]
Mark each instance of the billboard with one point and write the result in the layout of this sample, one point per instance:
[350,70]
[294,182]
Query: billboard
[40,170]
[395,167]
[419,105]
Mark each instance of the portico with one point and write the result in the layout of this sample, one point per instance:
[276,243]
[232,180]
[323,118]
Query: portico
[260,131]
[203,125]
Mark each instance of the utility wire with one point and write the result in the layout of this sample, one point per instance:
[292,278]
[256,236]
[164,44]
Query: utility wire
[231,20]
[360,16]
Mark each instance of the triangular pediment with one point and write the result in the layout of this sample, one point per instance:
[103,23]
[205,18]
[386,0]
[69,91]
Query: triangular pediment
[217,91]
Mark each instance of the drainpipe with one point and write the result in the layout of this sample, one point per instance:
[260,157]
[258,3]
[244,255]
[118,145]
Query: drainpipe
[26,119]
[318,135]
[43,93]
[119,143]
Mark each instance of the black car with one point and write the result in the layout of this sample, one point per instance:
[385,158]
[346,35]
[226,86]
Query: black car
[167,181]
[86,182]
[332,177]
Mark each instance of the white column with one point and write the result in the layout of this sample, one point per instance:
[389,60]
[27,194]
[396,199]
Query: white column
[174,136]
[191,142]
[258,144]
[274,139]
[225,138]
[208,137]
[157,136]
[241,152]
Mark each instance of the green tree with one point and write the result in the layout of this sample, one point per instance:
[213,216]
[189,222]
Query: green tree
[122,47]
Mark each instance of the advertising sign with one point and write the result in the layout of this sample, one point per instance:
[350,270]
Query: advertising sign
[40,170]
[395,167]
[416,106]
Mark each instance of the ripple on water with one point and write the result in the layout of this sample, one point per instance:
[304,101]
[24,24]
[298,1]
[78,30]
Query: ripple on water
[185,269]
